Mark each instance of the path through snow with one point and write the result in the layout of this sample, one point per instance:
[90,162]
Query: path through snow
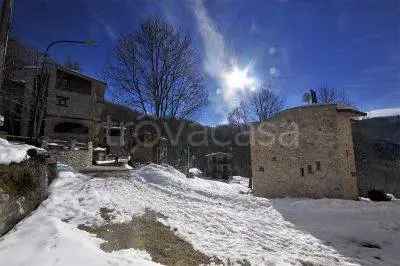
[219,219]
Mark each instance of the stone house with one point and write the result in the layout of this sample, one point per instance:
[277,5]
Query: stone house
[74,105]
[305,151]
[219,165]
[377,153]
[74,100]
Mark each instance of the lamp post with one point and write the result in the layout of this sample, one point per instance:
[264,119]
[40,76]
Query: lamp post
[40,96]
[86,42]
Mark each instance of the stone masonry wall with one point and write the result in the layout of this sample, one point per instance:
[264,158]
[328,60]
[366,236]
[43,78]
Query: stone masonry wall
[317,167]
[23,187]
[77,158]
[345,152]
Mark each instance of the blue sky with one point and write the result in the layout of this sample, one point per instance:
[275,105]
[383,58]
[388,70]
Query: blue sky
[293,45]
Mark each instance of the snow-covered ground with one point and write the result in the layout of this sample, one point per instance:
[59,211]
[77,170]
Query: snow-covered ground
[218,218]
[11,152]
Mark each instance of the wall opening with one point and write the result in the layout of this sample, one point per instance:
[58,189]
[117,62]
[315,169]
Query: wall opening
[309,169]
[318,165]
[71,127]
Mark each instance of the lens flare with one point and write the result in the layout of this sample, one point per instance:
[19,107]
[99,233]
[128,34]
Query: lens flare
[239,79]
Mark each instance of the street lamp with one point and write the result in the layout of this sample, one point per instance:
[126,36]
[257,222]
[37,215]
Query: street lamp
[41,90]
[85,42]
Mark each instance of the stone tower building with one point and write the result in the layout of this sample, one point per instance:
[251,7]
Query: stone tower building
[305,151]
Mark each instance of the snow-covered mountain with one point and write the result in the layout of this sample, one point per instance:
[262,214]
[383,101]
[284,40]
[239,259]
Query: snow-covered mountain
[383,112]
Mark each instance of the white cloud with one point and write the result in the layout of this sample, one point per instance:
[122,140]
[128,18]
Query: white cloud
[213,41]
[219,63]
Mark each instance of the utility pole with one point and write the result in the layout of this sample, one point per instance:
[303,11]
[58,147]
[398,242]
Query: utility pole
[5,24]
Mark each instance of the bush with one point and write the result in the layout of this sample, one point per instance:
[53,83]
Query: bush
[378,195]
[16,179]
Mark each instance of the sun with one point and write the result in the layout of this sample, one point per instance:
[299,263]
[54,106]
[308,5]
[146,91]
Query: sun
[239,79]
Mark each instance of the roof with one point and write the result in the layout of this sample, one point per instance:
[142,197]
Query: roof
[345,108]
[79,74]
[339,108]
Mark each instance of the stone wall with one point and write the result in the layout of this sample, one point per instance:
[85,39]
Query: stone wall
[304,152]
[23,187]
[78,158]
[377,153]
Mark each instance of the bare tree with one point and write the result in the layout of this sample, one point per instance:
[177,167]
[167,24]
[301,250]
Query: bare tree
[156,71]
[332,95]
[264,104]
[239,116]
[307,98]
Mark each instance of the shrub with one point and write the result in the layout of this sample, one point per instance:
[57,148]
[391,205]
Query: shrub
[378,195]
[16,178]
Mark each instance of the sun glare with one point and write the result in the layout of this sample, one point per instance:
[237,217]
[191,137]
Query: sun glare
[239,79]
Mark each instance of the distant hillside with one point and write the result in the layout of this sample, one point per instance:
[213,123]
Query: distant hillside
[201,140]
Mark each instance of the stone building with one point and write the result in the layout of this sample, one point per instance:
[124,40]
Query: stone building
[74,100]
[377,153]
[74,105]
[219,165]
[305,151]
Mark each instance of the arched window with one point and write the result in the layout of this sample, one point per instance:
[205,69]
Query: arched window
[71,127]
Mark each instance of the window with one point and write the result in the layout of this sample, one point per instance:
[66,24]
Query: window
[309,169]
[72,82]
[62,101]
[318,165]
[261,169]
[65,84]
[302,171]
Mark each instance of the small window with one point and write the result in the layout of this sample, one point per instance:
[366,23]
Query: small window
[318,165]
[65,83]
[62,101]
[309,169]
[261,169]
[302,171]
[274,159]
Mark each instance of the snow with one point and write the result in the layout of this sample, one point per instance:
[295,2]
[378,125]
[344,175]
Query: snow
[218,218]
[10,152]
[45,239]
[53,144]
[100,162]
[383,113]
[195,171]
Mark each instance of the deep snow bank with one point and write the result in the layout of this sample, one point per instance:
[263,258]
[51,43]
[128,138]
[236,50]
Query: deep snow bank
[217,218]
[10,152]
[50,237]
